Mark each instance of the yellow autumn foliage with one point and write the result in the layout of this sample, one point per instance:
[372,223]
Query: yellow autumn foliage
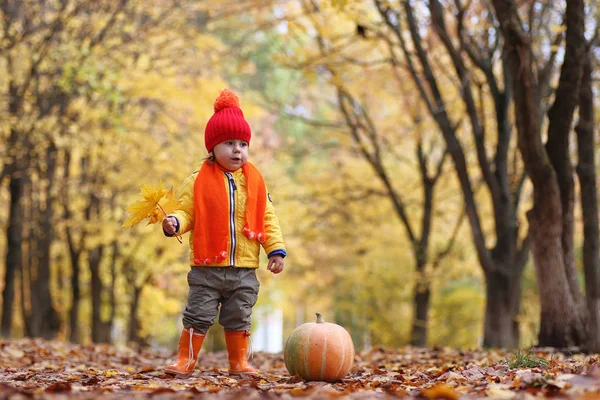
[156,205]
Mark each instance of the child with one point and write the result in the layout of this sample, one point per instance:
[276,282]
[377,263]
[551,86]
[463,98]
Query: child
[227,209]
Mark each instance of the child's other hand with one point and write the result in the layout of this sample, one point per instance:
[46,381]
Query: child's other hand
[169,225]
[275,264]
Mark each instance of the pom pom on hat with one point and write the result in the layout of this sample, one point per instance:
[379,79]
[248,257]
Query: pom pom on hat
[227,123]
[226,99]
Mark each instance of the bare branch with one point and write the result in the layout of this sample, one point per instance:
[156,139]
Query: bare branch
[344,100]
[42,51]
[545,73]
[441,255]
[109,24]
[477,126]
[440,166]
[519,189]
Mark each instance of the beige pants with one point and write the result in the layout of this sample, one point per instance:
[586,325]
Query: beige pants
[234,289]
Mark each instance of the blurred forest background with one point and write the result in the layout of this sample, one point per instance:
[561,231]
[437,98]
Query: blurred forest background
[432,164]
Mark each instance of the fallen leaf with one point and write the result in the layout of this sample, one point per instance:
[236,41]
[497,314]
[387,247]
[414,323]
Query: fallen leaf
[13,352]
[440,391]
[58,387]
[498,391]
[111,372]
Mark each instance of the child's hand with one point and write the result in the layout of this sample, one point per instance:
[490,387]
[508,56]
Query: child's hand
[275,264]
[169,225]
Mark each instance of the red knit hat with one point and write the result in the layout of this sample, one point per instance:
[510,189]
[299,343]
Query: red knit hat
[227,123]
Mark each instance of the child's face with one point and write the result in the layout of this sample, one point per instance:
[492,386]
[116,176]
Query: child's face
[231,154]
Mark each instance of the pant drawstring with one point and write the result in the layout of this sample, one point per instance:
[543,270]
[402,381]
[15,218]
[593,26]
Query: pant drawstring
[191,349]
[249,354]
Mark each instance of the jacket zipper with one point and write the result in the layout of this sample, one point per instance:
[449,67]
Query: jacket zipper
[232,188]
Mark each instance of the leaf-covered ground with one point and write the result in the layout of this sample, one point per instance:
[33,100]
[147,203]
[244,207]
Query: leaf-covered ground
[32,368]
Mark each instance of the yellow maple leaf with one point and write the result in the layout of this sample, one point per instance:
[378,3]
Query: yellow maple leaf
[146,208]
[139,211]
[165,206]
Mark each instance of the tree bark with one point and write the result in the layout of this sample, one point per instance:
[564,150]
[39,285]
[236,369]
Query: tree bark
[134,302]
[14,253]
[422,292]
[45,321]
[14,231]
[589,204]
[562,323]
[561,319]
[503,298]
[74,334]
[98,328]
[560,118]
[134,320]
[113,290]
[30,216]
[421,302]
[74,255]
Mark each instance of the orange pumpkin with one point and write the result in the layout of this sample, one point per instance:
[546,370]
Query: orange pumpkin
[319,351]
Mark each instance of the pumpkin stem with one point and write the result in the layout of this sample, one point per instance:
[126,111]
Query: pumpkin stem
[320,319]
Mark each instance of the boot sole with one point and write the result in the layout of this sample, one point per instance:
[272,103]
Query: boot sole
[177,373]
[243,373]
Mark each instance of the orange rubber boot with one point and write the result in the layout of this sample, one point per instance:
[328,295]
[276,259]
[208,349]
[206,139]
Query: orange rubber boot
[237,348]
[189,347]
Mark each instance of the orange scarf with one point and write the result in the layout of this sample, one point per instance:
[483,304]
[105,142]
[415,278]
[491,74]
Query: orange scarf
[212,212]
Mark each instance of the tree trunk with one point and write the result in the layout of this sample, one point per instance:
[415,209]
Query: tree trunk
[23,280]
[75,256]
[589,205]
[562,322]
[103,329]
[560,118]
[14,231]
[95,257]
[108,325]
[422,292]
[30,216]
[561,319]
[420,316]
[45,318]
[74,335]
[503,279]
[503,298]
[134,320]
[14,253]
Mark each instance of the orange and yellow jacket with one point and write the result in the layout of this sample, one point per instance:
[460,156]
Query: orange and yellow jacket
[245,252]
